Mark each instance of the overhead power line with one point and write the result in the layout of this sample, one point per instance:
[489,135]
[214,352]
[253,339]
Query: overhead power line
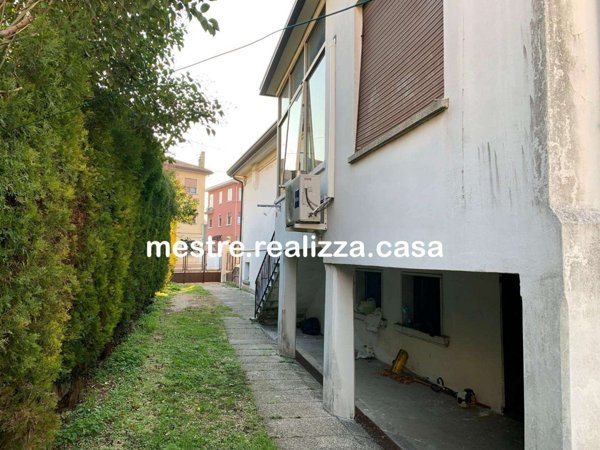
[218,55]
[268,35]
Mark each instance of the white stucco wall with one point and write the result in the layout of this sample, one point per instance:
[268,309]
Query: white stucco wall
[504,178]
[473,177]
[258,223]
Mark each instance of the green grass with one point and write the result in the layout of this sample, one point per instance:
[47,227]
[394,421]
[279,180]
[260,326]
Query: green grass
[174,383]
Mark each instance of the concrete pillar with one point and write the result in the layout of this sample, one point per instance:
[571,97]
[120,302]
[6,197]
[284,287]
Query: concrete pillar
[543,363]
[567,87]
[286,323]
[338,360]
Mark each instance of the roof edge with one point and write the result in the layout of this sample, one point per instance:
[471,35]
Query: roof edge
[253,150]
[280,48]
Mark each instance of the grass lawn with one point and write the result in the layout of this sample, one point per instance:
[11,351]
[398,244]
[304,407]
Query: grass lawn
[174,383]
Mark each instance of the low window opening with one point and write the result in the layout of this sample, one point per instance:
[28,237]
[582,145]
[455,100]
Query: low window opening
[367,292]
[422,303]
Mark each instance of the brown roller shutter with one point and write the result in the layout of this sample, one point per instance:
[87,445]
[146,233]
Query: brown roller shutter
[402,64]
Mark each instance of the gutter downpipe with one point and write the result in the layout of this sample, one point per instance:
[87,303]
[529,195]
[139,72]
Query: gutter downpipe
[242,181]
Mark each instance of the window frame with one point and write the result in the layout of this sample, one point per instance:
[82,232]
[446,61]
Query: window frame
[355,286]
[230,194]
[220,197]
[440,278]
[299,94]
[428,111]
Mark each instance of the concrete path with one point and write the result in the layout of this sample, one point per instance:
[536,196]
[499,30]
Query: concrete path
[287,396]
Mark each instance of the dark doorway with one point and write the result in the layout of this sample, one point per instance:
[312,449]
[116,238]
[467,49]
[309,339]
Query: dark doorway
[512,343]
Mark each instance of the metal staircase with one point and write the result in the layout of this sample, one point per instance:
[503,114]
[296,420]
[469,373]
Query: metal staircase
[266,291]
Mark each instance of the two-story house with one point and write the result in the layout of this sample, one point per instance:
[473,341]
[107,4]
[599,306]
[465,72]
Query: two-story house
[471,124]
[256,169]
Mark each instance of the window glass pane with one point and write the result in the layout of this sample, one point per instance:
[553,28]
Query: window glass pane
[297,74]
[315,101]
[293,140]
[283,130]
[421,304]
[284,98]
[316,41]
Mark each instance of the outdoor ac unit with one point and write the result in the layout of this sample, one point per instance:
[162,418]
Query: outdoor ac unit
[302,197]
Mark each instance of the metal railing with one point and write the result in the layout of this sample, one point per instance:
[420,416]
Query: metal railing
[265,280]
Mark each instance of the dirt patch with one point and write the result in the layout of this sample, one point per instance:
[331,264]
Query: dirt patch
[182,302]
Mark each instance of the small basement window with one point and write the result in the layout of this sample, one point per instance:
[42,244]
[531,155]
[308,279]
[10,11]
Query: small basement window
[367,286]
[422,303]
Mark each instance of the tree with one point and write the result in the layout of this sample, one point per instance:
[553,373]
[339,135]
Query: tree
[89,104]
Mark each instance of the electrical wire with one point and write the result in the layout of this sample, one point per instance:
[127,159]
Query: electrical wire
[268,35]
[202,61]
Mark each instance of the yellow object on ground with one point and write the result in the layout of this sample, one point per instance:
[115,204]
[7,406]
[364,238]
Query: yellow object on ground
[400,361]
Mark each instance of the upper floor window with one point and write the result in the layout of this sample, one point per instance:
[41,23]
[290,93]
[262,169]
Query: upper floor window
[229,194]
[240,195]
[219,221]
[191,185]
[402,67]
[210,222]
[211,200]
[302,109]
[220,197]
[228,219]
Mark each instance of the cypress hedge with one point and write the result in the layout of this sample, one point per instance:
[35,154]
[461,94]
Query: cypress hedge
[88,108]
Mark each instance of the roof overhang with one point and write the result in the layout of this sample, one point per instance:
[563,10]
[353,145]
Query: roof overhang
[184,166]
[289,41]
[264,146]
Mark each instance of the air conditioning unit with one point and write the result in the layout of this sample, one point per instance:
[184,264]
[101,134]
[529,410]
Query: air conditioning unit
[302,197]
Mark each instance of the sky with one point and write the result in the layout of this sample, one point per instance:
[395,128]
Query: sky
[232,79]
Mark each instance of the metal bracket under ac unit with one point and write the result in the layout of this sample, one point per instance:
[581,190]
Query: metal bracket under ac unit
[324,205]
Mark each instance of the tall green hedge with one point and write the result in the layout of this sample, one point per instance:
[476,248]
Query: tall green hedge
[87,110]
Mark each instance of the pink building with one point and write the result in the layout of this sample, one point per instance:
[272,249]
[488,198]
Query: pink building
[224,211]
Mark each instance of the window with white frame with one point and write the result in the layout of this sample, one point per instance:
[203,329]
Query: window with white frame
[228,219]
[220,197]
[246,271]
[240,194]
[229,194]
[301,124]
[211,200]
[210,222]
[219,221]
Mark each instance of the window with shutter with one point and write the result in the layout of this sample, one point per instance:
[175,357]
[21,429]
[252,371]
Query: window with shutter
[191,185]
[402,67]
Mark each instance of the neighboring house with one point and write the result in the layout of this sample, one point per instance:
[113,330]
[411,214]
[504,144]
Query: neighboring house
[193,178]
[223,211]
[224,223]
[257,169]
[470,123]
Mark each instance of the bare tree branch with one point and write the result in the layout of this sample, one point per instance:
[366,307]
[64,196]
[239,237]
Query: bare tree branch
[22,20]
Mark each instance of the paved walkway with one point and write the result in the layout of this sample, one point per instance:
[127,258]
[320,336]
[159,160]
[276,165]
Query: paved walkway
[287,396]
